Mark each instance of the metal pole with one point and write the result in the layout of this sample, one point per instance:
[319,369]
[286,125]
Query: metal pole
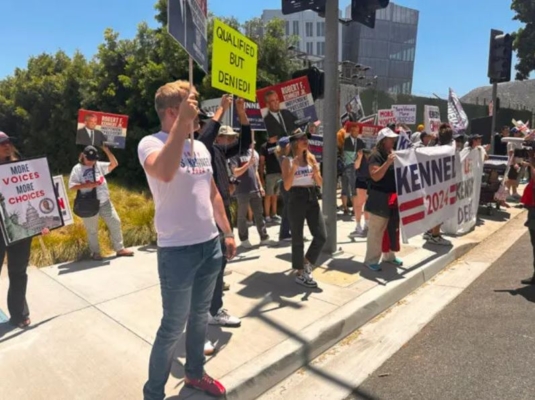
[331,123]
[494,109]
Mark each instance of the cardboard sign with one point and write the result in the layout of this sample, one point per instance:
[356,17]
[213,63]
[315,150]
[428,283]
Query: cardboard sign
[354,111]
[386,117]
[211,105]
[368,134]
[234,62]
[432,119]
[187,24]
[101,129]
[287,106]
[63,200]
[405,113]
[426,181]
[27,200]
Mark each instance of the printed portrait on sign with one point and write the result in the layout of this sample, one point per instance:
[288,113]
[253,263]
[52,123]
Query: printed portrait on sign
[101,129]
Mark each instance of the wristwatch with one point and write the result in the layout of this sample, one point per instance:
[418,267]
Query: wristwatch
[229,235]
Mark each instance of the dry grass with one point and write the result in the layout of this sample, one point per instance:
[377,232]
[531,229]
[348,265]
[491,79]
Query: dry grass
[136,210]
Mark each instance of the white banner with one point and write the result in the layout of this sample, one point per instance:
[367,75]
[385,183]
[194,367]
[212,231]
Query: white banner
[456,115]
[405,113]
[432,119]
[468,192]
[27,200]
[386,117]
[426,180]
[63,200]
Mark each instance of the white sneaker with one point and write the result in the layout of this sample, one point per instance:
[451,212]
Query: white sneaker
[439,241]
[427,236]
[250,223]
[268,220]
[246,244]
[305,280]
[277,219]
[209,348]
[223,318]
[357,233]
[268,242]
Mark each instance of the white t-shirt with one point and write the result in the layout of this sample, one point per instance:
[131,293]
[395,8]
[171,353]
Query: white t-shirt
[81,174]
[184,212]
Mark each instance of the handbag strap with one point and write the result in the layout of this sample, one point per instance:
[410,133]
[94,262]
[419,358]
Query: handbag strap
[94,190]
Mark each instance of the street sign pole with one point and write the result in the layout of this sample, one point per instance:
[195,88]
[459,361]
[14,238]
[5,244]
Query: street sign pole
[331,123]
[494,109]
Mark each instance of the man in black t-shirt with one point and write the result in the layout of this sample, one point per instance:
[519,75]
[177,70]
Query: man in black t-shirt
[500,148]
[270,166]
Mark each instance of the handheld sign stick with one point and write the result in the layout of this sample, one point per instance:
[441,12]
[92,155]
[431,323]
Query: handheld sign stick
[192,134]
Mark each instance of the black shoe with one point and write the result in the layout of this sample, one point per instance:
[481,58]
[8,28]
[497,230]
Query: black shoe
[530,281]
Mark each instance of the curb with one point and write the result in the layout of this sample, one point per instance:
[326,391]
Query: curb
[270,368]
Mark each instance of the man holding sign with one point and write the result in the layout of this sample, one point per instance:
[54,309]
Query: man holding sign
[234,59]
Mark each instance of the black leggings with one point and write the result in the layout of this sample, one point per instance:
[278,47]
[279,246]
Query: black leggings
[18,257]
[303,205]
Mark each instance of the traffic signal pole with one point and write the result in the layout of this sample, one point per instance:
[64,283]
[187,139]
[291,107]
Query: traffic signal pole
[494,111]
[331,123]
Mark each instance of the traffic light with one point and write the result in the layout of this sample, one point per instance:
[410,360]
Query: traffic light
[316,79]
[363,11]
[500,56]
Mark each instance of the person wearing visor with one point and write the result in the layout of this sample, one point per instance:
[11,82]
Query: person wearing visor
[301,175]
[90,174]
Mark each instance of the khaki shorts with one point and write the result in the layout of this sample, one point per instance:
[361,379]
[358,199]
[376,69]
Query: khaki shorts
[272,184]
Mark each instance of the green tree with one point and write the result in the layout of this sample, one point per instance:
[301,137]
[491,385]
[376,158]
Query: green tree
[524,41]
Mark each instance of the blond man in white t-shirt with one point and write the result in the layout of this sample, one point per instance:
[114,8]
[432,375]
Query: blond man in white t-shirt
[188,207]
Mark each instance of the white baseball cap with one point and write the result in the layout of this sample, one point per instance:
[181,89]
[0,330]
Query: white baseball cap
[386,133]
[226,130]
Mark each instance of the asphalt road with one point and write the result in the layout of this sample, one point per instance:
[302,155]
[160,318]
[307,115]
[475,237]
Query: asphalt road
[482,346]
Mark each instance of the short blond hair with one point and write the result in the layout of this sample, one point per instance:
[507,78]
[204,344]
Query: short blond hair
[171,95]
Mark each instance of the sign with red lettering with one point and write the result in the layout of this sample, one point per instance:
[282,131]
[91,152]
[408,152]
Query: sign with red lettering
[386,117]
[63,200]
[28,201]
[368,134]
[101,129]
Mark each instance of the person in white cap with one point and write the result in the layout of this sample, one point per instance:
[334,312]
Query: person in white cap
[382,203]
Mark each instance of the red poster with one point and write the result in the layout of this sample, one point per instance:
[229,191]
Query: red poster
[101,129]
[368,134]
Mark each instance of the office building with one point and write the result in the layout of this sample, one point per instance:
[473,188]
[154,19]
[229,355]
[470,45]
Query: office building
[389,49]
[309,27]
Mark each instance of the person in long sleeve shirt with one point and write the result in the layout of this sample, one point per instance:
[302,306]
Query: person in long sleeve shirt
[221,150]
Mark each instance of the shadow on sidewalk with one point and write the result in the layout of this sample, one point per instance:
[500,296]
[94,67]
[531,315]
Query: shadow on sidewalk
[82,265]
[149,248]
[6,328]
[527,292]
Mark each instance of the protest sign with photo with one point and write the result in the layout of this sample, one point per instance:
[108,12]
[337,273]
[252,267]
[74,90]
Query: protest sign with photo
[211,105]
[432,119]
[27,200]
[187,24]
[354,111]
[253,114]
[405,113]
[468,193]
[63,200]
[456,115]
[385,117]
[234,59]
[426,181]
[287,106]
[101,129]
[368,134]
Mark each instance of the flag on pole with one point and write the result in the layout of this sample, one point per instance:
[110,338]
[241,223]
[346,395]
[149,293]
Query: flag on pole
[403,142]
[456,115]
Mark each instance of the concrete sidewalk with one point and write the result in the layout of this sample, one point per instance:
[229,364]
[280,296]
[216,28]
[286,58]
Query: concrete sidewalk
[94,323]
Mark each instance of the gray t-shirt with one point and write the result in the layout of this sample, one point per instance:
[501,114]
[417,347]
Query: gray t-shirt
[248,181]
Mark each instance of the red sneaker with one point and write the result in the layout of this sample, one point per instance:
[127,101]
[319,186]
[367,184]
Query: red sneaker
[207,385]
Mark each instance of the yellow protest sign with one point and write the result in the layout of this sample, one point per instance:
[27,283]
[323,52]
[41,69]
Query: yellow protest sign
[234,60]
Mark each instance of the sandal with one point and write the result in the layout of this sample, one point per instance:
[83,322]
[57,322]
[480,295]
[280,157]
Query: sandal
[22,324]
[125,253]
[96,257]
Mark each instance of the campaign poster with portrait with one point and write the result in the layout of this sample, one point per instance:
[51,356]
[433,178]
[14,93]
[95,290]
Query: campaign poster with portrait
[99,129]
[28,201]
[287,106]
[368,134]
[354,111]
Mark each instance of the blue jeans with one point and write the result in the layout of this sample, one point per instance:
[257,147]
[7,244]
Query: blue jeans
[187,279]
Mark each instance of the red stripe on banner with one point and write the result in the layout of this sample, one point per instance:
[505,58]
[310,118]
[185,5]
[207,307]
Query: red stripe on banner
[453,200]
[413,218]
[411,204]
[453,189]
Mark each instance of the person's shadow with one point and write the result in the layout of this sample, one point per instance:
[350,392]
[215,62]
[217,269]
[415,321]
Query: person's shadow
[527,292]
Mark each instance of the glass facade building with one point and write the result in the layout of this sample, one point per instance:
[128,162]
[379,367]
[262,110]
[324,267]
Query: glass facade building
[389,49]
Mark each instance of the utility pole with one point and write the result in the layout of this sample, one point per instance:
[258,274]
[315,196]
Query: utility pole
[331,123]
[494,112]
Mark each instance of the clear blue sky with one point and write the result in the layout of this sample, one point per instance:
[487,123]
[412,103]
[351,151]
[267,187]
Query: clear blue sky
[452,45]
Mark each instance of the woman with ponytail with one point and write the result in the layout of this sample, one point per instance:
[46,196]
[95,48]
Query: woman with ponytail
[301,175]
